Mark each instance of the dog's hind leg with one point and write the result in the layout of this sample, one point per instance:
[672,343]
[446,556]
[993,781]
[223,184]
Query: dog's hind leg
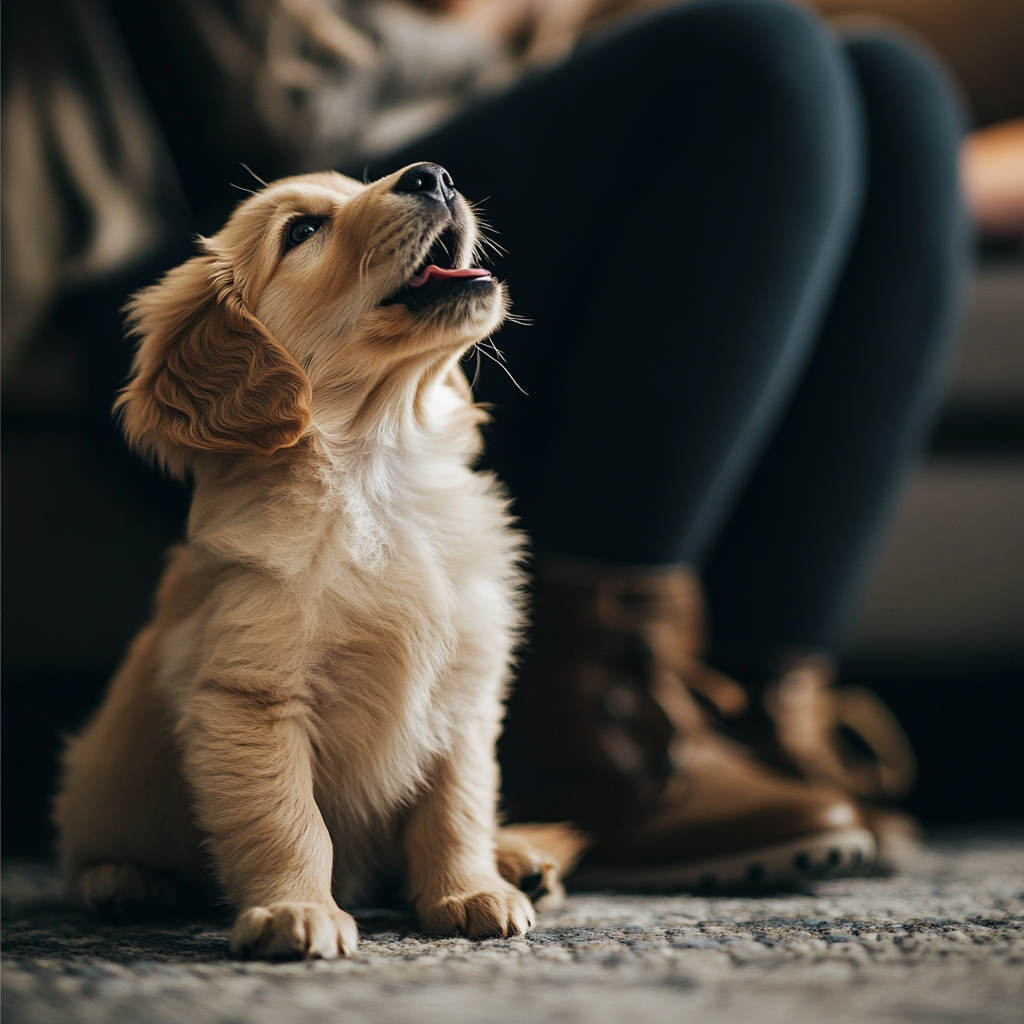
[128,844]
[535,858]
[124,893]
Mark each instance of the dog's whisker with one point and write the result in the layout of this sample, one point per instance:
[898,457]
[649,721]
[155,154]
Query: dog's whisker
[485,231]
[484,242]
[254,174]
[494,348]
[478,255]
[507,370]
[476,372]
[242,188]
[495,251]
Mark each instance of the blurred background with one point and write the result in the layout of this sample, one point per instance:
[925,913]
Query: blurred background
[125,128]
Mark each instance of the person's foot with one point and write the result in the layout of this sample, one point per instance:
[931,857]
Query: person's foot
[603,729]
[725,822]
[799,722]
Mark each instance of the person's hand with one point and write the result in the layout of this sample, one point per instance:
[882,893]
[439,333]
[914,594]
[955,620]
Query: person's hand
[544,28]
[992,164]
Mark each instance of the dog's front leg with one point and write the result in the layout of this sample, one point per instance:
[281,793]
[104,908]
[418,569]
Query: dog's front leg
[450,848]
[248,763]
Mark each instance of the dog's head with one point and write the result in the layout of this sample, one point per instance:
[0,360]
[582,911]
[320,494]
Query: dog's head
[323,303]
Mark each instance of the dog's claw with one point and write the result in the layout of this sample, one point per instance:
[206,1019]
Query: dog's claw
[486,914]
[311,931]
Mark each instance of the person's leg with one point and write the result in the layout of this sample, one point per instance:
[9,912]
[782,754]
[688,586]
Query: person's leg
[785,571]
[676,201]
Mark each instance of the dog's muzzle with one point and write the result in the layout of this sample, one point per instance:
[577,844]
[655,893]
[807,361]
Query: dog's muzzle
[437,274]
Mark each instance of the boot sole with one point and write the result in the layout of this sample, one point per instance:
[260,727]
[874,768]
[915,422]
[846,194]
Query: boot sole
[830,854]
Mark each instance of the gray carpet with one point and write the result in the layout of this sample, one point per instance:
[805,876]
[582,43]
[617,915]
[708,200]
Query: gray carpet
[943,942]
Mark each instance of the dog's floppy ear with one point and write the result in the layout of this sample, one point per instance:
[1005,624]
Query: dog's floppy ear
[207,374]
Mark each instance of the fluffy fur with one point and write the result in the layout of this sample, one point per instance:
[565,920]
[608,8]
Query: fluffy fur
[315,703]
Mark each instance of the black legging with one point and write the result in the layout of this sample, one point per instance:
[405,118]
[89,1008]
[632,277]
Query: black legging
[741,245]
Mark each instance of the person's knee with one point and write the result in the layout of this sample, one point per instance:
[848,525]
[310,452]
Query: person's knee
[774,42]
[762,76]
[914,221]
[907,93]
[915,124]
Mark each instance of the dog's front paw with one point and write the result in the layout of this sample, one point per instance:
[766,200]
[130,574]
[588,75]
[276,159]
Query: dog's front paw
[479,915]
[316,931]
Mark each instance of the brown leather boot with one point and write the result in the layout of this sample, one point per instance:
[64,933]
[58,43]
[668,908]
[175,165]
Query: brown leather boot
[800,722]
[846,737]
[603,729]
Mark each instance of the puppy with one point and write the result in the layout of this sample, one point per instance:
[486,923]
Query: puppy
[315,703]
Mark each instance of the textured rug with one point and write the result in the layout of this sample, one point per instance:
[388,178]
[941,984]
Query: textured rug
[943,942]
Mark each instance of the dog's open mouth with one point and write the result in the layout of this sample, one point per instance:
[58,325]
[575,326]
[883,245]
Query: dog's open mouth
[436,276]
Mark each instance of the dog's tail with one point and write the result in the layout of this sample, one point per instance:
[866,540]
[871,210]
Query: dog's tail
[537,857]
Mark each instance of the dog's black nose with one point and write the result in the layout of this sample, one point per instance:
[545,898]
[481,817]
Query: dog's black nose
[429,180]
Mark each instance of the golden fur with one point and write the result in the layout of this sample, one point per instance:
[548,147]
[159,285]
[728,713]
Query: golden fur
[315,703]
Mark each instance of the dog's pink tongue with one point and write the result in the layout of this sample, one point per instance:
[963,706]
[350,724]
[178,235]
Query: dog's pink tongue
[435,273]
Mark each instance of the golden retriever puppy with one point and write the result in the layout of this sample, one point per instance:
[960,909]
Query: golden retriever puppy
[315,703]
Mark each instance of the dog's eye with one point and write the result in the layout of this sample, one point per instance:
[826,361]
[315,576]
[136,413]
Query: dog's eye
[300,230]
